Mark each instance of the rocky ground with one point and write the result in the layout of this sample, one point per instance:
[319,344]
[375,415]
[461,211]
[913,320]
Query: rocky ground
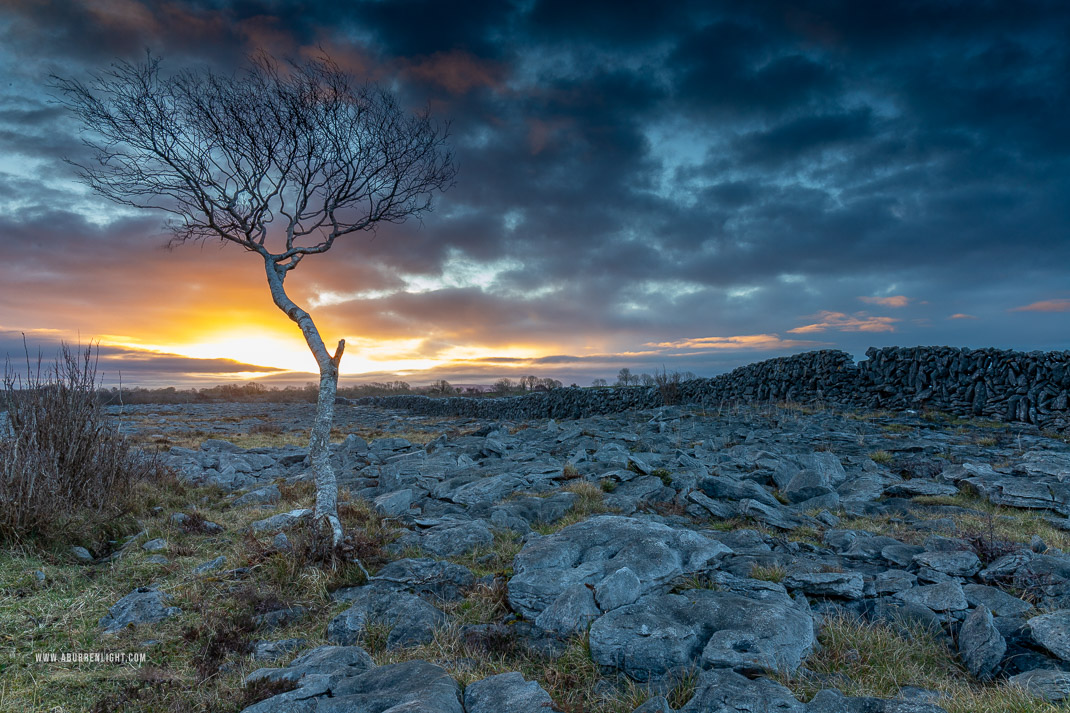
[758,559]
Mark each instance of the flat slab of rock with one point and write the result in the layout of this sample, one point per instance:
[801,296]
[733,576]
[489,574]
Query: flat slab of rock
[712,629]
[450,538]
[723,691]
[282,521]
[1047,684]
[323,660]
[590,551]
[996,600]
[268,495]
[428,578]
[844,585]
[144,605]
[942,597]
[506,692]
[955,563]
[1052,631]
[410,687]
[411,620]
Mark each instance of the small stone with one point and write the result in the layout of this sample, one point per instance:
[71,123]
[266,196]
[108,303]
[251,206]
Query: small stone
[142,606]
[280,617]
[657,704]
[81,554]
[155,545]
[282,521]
[393,504]
[210,565]
[271,650]
[281,542]
[620,588]
[39,575]
[268,495]
[157,559]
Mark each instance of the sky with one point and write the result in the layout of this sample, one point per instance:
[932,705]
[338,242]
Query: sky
[689,185]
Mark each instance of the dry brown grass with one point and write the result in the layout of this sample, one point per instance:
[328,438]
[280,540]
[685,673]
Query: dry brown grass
[873,659]
[66,473]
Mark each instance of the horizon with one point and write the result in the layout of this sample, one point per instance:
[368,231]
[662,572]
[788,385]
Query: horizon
[678,187]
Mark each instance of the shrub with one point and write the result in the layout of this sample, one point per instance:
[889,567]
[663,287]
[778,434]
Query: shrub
[62,462]
[669,386]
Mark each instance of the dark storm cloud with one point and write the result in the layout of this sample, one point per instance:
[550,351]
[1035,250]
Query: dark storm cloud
[630,173]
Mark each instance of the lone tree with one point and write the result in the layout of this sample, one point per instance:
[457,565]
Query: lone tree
[281,159]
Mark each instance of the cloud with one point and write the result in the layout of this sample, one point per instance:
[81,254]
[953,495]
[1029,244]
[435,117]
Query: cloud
[748,341]
[960,315]
[625,178]
[858,322]
[894,301]
[457,71]
[1045,306]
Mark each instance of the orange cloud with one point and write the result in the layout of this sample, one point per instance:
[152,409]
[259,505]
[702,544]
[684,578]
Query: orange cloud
[960,315]
[1045,306]
[457,71]
[745,341]
[858,322]
[894,301]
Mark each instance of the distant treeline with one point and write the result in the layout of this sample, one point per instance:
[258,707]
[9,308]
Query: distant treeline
[254,392]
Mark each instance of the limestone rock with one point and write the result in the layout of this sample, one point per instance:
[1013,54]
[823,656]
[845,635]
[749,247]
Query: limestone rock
[144,605]
[506,692]
[980,643]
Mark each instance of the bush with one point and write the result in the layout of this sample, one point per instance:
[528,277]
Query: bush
[669,386]
[62,463]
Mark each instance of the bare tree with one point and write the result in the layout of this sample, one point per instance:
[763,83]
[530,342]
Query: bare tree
[282,160]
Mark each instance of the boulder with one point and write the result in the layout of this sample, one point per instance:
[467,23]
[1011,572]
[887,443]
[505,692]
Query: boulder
[714,629]
[590,551]
[410,619]
[981,646]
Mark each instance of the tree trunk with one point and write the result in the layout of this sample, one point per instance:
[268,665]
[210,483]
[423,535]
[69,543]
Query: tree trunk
[319,453]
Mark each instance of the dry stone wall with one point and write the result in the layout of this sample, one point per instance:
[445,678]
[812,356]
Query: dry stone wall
[1031,387]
